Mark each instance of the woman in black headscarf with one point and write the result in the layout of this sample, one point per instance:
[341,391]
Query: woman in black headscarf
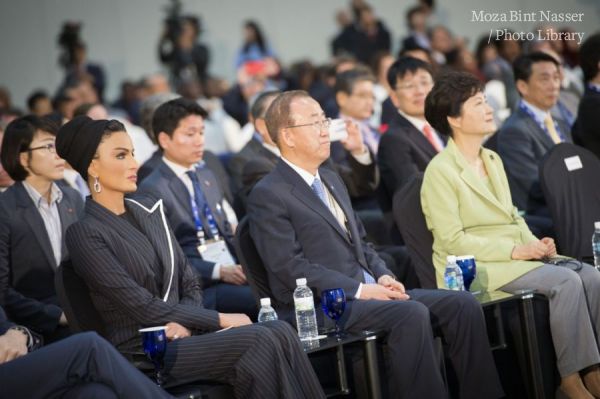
[138,277]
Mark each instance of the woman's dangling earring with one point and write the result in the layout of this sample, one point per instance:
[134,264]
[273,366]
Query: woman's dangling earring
[97,186]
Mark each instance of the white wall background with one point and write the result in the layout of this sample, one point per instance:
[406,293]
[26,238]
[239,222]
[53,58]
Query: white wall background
[122,34]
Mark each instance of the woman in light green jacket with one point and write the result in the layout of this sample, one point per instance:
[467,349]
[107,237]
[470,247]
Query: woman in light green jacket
[468,208]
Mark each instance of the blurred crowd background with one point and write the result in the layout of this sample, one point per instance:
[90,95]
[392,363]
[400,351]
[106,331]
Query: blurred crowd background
[63,54]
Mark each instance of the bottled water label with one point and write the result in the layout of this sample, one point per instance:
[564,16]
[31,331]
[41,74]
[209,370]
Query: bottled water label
[307,324]
[306,320]
[596,245]
[267,316]
[304,304]
[451,282]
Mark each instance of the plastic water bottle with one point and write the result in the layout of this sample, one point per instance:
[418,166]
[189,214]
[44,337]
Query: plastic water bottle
[460,281]
[453,275]
[266,312]
[306,320]
[596,245]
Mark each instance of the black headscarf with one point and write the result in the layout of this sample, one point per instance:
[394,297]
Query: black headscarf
[78,140]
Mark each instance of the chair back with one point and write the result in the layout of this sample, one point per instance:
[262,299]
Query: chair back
[74,297]
[409,218]
[570,180]
[251,262]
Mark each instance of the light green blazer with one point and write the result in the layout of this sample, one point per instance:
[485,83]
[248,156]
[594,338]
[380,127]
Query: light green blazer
[466,218]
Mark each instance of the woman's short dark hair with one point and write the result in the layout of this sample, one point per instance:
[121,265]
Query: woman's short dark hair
[17,139]
[447,96]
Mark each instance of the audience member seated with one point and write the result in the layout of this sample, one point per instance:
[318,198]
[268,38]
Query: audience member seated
[195,206]
[468,208]
[139,277]
[146,113]
[360,178]
[81,366]
[441,43]
[586,131]
[209,159]
[302,223]
[235,101]
[529,133]
[381,88]
[34,215]
[39,103]
[410,142]
[259,147]
[355,98]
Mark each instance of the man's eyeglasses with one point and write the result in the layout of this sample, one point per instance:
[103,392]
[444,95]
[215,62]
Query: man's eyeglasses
[51,148]
[413,86]
[317,126]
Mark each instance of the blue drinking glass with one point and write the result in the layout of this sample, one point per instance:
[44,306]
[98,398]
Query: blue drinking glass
[154,342]
[333,302]
[468,267]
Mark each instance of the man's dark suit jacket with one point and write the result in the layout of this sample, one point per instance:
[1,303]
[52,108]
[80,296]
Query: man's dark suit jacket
[27,263]
[252,150]
[521,144]
[115,259]
[586,131]
[360,180]
[211,161]
[164,184]
[403,151]
[287,217]
[5,324]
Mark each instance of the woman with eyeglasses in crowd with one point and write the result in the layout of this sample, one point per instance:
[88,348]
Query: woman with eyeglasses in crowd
[34,215]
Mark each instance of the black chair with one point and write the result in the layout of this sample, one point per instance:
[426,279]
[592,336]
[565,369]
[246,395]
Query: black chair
[570,180]
[408,215]
[251,262]
[73,295]
[492,142]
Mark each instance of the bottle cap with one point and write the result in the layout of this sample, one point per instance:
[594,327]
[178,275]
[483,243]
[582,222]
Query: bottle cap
[451,259]
[265,301]
[597,225]
[301,281]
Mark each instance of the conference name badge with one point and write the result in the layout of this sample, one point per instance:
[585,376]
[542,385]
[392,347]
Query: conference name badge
[216,251]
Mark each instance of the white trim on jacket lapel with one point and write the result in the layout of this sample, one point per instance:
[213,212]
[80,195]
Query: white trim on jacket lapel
[159,205]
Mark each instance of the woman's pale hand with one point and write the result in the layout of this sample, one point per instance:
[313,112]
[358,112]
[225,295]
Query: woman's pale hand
[177,331]
[550,246]
[233,320]
[529,251]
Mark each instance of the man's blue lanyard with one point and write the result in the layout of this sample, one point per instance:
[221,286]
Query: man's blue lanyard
[530,113]
[212,224]
[566,114]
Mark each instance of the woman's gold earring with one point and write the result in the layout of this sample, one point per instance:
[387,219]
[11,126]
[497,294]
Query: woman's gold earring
[97,186]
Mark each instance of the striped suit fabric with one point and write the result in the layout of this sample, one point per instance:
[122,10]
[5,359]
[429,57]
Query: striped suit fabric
[116,260]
